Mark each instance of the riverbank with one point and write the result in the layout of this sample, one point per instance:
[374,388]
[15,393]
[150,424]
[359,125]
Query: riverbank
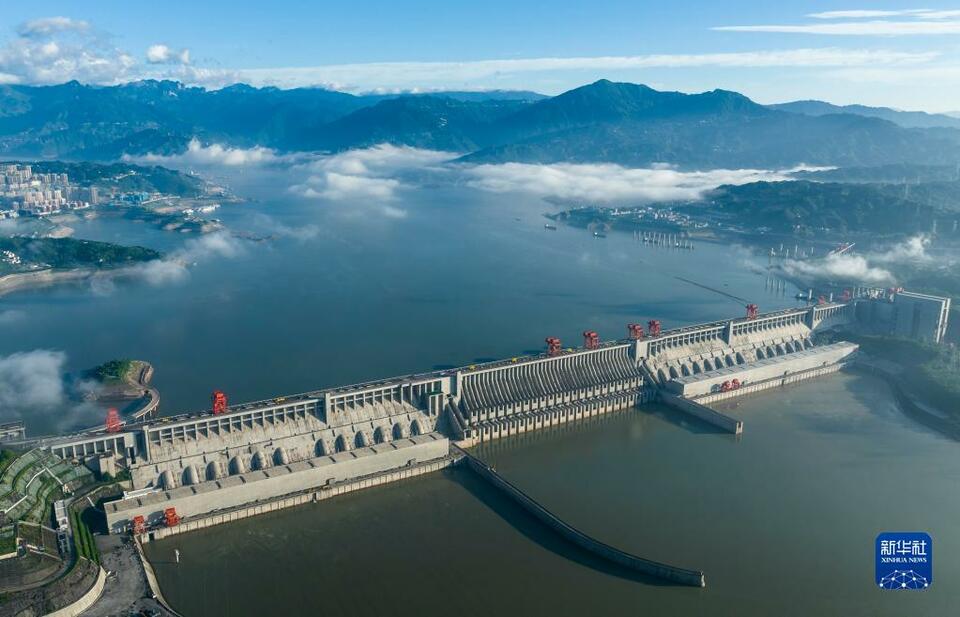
[911,401]
[39,279]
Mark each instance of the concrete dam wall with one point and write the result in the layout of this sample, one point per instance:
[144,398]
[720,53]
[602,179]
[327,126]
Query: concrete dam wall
[205,462]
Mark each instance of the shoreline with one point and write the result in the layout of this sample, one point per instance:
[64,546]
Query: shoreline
[52,277]
[38,279]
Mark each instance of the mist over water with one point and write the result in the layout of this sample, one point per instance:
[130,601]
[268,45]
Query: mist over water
[343,291]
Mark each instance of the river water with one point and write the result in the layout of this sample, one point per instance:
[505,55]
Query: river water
[782,521]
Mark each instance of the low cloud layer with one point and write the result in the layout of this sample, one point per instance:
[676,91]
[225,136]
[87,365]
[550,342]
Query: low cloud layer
[33,388]
[173,268]
[877,267]
[839,268]
[199,155]
[370,176]
[607,182]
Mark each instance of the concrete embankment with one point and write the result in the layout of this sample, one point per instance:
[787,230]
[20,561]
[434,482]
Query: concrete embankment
[773,382]
[702,412]
[648,567]
[312,495]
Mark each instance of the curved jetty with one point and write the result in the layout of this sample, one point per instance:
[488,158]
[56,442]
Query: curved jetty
[649,567]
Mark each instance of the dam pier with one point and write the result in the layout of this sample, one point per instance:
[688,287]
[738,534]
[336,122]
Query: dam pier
[192,471]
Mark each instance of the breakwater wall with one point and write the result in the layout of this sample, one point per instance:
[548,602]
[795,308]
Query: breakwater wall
[702,412]
[766,384]
[609,553]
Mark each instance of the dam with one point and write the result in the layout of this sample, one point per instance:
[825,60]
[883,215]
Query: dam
[240,457]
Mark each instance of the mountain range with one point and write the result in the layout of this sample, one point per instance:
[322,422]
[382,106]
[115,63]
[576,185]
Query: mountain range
[604,121]
[906,119]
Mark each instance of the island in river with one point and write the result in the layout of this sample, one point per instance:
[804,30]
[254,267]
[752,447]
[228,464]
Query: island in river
[124,384]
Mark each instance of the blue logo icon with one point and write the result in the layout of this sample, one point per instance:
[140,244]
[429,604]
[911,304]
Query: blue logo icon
[904,560]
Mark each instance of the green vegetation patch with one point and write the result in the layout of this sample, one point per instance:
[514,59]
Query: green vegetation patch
[6,457]
[113,371]
[72,253]
[8,539]
[805,208]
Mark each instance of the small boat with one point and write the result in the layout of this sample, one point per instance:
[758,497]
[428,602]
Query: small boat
[597,234]
[550,227]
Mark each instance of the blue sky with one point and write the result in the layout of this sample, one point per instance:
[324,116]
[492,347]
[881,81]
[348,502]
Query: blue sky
[879,53]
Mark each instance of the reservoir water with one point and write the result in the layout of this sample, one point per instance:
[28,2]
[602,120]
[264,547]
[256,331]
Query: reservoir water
[782,521]
[348,292]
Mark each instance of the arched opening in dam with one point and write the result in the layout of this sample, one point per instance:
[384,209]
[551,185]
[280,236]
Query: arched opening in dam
[360,440]
[398,431]
[415,428]
[340,445]
[378,436]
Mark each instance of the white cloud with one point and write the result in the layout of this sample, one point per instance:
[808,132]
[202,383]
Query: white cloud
[608,182]
[343,186]
[174,268]
[839,268]
[161,54]
[46,26]
[58,49]
[872,13]
[366,174]
[870,268]
[211,155]
[857,28]
[430,75]
[912,251]
[33,387]
[31,379]
[271,227]
[54,50]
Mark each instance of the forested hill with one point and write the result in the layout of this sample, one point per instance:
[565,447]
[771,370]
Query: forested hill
[622,123]
[808,208]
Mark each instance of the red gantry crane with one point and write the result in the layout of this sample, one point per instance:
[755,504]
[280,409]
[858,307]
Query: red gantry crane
[653,327]
[113,423]
[139,524]
[635,331]
[219,400]
[553,346]
[170,517]
[752,311]
[591,340]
